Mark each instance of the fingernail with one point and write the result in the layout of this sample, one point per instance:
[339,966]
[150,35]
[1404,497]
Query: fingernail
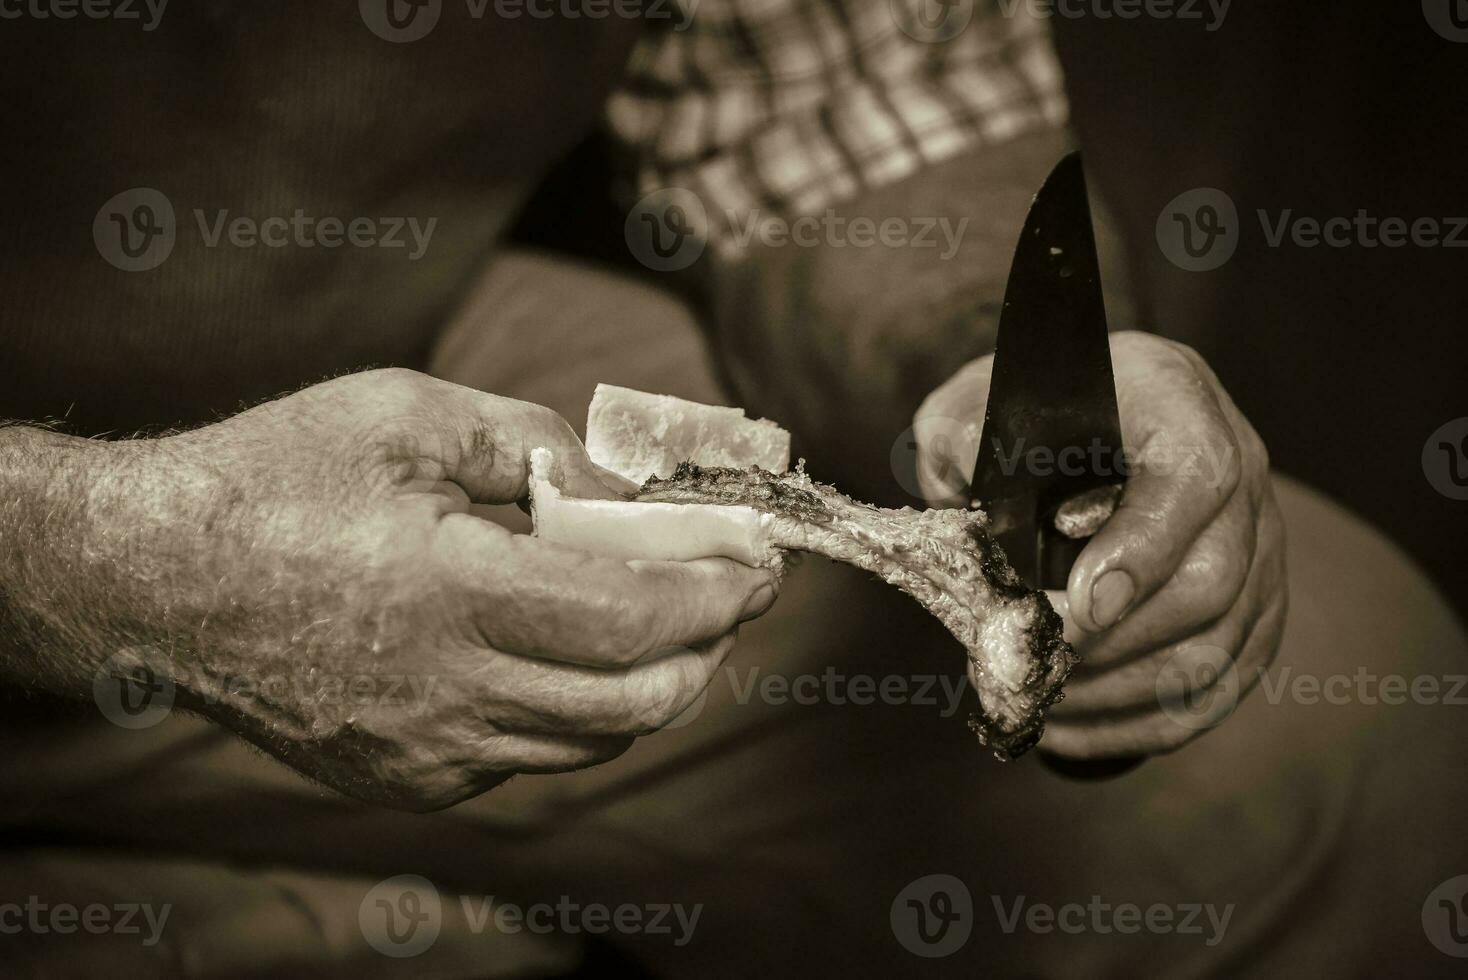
[1110,597]
[762,599]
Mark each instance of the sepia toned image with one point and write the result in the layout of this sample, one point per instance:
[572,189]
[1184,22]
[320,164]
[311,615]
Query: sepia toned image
[728,488]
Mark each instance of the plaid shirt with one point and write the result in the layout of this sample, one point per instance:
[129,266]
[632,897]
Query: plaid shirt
[782,107]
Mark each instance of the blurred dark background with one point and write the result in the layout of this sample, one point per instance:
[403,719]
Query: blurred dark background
[1346,359]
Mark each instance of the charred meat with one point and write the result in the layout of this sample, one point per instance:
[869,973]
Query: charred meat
[1018,658]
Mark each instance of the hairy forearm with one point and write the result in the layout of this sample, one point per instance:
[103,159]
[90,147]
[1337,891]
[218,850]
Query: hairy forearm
[843,343]
[43,641]
[71,513]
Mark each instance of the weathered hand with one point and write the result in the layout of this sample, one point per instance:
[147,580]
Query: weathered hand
[308,574]
[1178,603]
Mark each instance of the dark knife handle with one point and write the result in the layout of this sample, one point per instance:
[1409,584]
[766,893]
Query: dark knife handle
[1057,554]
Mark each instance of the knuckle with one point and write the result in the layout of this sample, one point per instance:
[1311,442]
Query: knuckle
[952,398]
[540,414]
[395,378]
[1151,346]
[933,406]
[1184,358]
[1208,599]
[548,421]
[1213,580]
[1187,352]
[401,375]
[1187,366]
[1125,342]
[651,704]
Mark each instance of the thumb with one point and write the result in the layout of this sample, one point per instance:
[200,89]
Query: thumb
[496,437]
[1061,601]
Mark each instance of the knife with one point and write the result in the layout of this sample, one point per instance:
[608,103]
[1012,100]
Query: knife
[1052,433]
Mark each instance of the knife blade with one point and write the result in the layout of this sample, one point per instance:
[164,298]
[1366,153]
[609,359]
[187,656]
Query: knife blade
[1052,431]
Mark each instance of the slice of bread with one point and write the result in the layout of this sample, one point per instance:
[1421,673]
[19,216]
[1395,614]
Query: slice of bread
[640,435]
[652,531]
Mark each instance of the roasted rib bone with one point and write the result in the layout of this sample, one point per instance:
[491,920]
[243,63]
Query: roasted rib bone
[1018,658]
